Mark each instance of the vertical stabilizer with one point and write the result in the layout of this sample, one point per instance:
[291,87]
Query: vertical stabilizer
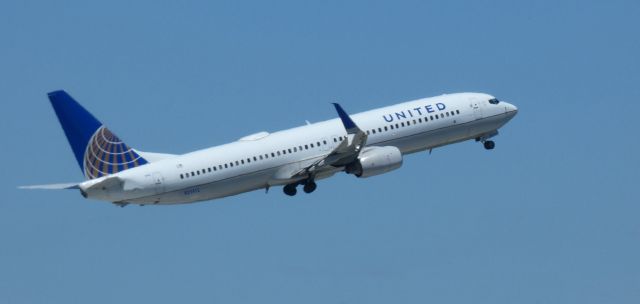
[98,151]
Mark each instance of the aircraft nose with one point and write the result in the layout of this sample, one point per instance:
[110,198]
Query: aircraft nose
[509,108]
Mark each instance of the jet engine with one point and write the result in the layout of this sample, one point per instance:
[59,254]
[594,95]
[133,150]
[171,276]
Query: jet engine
[375,160]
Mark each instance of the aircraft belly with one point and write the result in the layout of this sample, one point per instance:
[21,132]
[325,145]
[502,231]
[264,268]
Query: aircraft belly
[213,190]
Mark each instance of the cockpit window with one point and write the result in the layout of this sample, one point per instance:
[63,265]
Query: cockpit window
[494,101]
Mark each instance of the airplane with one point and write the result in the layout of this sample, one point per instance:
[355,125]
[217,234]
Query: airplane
[364,145]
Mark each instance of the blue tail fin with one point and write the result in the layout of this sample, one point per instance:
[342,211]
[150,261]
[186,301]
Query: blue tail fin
[98,151]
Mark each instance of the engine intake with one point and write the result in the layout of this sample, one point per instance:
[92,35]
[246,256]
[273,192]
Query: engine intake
[376,160]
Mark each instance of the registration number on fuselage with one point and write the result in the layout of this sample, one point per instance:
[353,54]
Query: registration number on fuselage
[191,191]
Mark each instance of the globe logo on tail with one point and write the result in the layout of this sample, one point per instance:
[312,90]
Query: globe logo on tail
[107,154]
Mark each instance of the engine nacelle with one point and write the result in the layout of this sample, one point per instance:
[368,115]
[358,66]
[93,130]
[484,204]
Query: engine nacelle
[376,160]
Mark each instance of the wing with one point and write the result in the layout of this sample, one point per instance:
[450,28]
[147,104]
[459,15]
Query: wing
[345,153]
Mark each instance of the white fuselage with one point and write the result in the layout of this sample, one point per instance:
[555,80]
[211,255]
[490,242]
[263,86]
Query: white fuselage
[262,160]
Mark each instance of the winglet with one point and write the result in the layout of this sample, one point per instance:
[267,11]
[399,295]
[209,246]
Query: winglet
[349,125]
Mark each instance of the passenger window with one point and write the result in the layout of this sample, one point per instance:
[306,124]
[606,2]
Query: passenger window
[385,128]
[335,139]
[231,164]
[226,165]
[274,155]
[368,132]
[402,124]
[324,141]
[248,160]
[278,153]
[209,169]
[238,163]
[458,111]
[214,168]
[255,158]
[373,131]
[437,116]
[447,114]
[318,144]
[391,127]
[306,147]
[300,148]
[181,176]
[311,145]
[420,120]
[441,115]
[414,122]
[379,129]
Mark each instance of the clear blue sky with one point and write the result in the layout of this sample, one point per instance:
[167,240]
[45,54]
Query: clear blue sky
[550,216]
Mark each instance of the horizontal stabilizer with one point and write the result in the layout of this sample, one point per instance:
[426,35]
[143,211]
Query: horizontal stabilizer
[52,186]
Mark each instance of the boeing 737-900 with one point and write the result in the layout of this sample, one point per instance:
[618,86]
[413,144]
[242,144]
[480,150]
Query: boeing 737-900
[364,144]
